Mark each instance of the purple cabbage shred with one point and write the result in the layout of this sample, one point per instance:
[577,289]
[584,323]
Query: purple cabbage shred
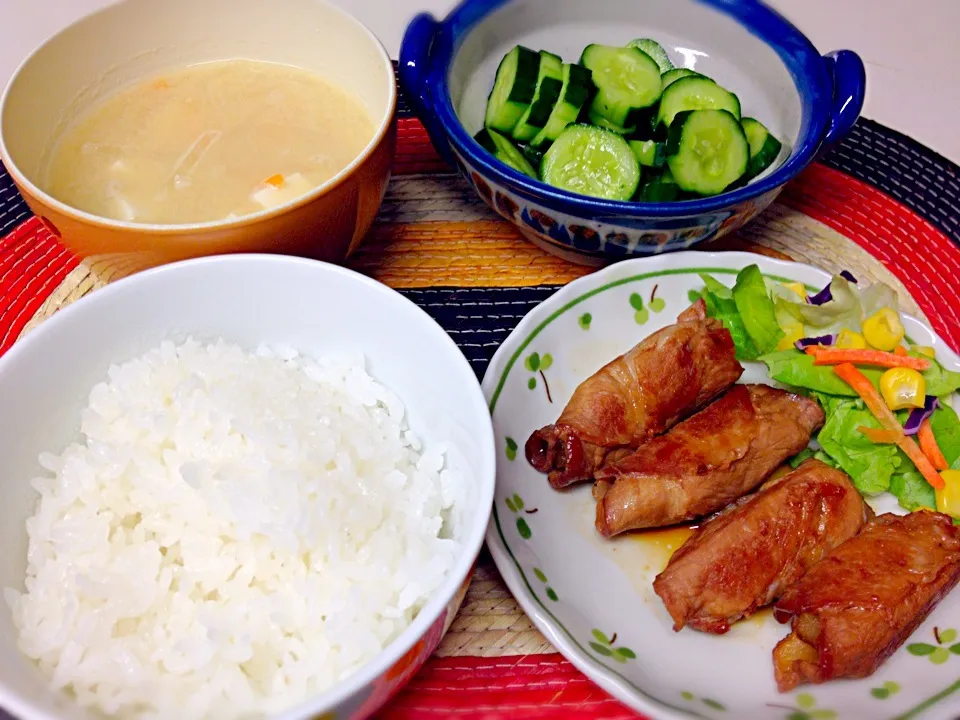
[820,340]
[825,296]
[918,415]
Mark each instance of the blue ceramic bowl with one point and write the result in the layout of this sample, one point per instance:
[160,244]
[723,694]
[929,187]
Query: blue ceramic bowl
[807,100]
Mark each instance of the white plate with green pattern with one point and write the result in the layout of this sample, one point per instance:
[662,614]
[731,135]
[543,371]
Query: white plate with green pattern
[593,598]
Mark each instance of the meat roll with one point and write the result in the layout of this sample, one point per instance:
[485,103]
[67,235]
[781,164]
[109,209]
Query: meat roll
[852,610]
[665,378]
[745,557]
[705,462]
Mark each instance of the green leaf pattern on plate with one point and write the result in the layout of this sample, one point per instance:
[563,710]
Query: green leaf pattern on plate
[606,646]
[515,504]
[523,529]
[656,304]
[538,364]
[807,709]
[511,449]
[709,702]
[940,650]
[888,689]
[640,314]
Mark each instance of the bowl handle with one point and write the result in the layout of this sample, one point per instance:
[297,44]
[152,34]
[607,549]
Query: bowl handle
[849,87]
[414,62]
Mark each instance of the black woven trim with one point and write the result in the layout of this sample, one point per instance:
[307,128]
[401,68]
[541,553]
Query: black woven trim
[479,319]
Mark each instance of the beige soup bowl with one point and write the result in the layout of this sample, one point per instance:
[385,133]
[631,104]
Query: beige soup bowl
[134,39]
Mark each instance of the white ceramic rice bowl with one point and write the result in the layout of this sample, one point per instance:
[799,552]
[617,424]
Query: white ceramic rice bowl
[245,299]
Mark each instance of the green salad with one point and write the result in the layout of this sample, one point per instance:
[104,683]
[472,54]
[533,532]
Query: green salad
[889,421]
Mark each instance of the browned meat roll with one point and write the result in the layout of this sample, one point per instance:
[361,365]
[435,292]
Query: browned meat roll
[665,378]
[745,557]
[705,462]
[853,609]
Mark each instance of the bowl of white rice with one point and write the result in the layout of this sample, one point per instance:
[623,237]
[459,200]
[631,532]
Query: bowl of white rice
[237,487]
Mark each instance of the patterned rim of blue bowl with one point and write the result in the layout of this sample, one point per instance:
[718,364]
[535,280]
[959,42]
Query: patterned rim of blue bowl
[831,89]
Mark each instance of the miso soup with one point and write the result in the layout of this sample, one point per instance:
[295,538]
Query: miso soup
[207,142]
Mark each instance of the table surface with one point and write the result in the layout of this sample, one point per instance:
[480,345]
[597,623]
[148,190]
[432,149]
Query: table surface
[899,42]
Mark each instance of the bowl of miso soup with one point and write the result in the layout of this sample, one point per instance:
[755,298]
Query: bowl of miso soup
[150,132]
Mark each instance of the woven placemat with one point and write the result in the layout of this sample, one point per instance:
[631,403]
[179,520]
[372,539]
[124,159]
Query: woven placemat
[878,205]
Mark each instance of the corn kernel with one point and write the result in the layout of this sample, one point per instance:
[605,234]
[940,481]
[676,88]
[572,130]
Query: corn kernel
[883,330]
[925,350]
[948,497]
[850,340]
[903,388]
[791,333]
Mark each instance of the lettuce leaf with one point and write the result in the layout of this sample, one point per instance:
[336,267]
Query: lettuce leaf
[843,311]
[795,368]
[912,491]
[808,453]
[940,381]
[871,466]
[756,309]
[946,429]
[721,305]
[847,309]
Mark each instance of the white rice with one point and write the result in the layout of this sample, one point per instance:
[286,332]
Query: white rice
[234,533]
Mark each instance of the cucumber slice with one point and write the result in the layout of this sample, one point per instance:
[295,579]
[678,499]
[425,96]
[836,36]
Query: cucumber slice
[533,155]
[659,188]
[549,85]
[504,151]
[670,76]
[601,121]
[627,80]
[513,90]
[764,147]
[486,141]
[649,153]
[576,89]
[654,50]
[707,150]
[694,93]
[591,161]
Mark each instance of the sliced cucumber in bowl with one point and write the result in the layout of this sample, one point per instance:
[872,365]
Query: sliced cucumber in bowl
[549,86]
[592,161]
[655,51]
[622,124]
[576,90]
[505,151]
[696,93]
[513,89]
[671,76]
[707,151]
[764,147]
[627,81]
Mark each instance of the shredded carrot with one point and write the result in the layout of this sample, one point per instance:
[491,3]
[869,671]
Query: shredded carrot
[881,437]
[928,443]
[925,467]
[900,351]
[878,358]
[275,180]
[865,389]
